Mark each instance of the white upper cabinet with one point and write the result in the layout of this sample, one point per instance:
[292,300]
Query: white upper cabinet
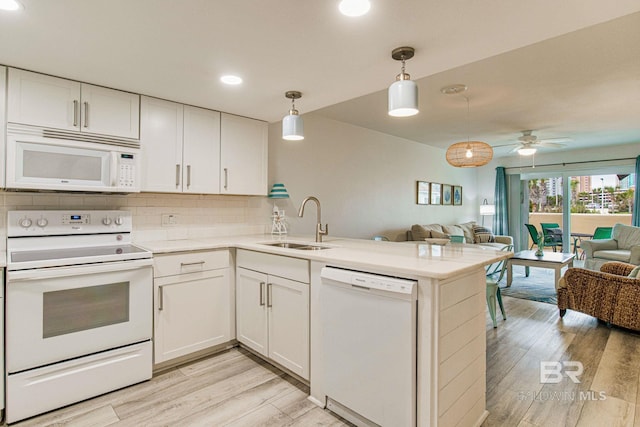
[109,112]
[161,127]
[41,100]
[3,124]
[243,155]
[201,151]
[180,148]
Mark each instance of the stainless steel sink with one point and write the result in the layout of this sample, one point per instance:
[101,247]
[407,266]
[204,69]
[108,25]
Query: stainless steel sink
[299,246]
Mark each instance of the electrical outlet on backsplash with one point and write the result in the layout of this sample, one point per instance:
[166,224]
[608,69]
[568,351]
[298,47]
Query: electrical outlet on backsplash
[169,220]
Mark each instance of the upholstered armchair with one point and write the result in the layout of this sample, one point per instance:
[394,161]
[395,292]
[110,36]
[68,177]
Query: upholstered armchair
[608,294]
[623,246]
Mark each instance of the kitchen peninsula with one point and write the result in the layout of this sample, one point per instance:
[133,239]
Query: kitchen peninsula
[451,360]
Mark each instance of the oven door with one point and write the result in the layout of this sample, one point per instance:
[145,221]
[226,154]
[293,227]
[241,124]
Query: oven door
[55,314]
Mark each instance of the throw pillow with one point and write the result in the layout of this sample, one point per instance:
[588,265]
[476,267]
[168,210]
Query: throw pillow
[419,232]
[438,235]
[634,272]
[453,230]
[467,229]
[482,235]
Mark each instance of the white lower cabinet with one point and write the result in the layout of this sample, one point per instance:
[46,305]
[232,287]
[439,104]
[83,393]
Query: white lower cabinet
[193,300]
[272,311]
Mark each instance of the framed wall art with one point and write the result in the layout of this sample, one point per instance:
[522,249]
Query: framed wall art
[423,193]
[436,193]
[446,194]
[457,195]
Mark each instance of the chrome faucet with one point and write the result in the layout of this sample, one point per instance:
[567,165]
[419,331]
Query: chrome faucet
[319,231]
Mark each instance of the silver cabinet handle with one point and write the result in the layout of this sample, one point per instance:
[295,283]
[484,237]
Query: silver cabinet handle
[160,298]
[269,295]
[75,112]
[226,178]
[262,293]
[86,114]
[185,264]
[177,176]
[188,176]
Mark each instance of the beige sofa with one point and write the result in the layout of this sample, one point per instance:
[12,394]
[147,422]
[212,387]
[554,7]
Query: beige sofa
[420,232]
[624,246]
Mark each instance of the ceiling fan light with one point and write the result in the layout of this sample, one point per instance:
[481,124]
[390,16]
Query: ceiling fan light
[527,151]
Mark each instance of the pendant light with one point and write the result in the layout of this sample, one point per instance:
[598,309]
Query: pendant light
[467,154]
[403,93]
[292,126]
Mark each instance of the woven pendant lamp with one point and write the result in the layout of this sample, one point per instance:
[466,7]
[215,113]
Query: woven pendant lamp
[468,154]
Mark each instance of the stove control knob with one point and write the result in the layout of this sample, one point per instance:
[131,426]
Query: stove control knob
[42,222]
[25,222]
[106,220]
[119,220]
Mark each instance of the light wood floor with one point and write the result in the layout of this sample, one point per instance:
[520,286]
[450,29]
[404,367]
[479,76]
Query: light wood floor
[237,389]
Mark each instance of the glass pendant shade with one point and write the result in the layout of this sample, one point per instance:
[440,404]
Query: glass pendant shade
[403,98]
[292,127]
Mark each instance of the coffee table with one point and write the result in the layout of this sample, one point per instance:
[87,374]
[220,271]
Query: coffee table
[554,260]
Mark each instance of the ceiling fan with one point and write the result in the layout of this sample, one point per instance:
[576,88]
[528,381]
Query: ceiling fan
[528,143]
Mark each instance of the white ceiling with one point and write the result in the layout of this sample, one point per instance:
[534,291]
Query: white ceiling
[542,65]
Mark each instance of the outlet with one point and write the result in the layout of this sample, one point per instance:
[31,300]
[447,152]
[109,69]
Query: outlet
[169,219]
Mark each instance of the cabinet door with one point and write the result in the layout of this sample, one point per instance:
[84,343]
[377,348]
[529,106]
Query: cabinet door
[288,307]
[193,313]
[110,112]
[243,152]
[161,130]
[40,100]
[3,124]
[201,151]
[251,313]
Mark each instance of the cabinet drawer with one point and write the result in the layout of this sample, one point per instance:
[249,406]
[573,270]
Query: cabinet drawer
[189,262]
[276,265]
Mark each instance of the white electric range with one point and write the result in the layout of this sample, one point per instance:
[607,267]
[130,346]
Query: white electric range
[78,308]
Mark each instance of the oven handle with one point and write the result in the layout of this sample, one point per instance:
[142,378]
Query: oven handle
[77,270]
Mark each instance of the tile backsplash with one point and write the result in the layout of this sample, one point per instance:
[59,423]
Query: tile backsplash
[195,215]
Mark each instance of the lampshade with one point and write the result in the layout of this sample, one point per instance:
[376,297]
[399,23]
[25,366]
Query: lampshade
[403,93]
[487,209]
[292,126]
[278,191]
[469,154]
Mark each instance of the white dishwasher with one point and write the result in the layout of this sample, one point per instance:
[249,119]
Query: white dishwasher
[369,347]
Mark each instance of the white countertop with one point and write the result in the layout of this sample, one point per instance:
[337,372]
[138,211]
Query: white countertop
[414,259]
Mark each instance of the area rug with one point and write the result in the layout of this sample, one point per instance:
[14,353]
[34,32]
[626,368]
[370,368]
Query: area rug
[539,286]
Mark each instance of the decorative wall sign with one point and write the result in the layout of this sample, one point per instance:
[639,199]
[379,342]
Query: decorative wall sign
[446,194]
[423,193]
[436,193]
[457,195]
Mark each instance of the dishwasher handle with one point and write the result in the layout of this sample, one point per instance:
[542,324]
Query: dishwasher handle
[368,281]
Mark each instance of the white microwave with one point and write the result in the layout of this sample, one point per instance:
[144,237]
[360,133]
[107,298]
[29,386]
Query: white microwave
[40,162]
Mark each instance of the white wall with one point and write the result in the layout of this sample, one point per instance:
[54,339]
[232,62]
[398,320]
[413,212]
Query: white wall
[365,180]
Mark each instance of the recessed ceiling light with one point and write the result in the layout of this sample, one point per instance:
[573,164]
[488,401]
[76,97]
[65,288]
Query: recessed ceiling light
[354,7]
[231,80]
[9,5]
